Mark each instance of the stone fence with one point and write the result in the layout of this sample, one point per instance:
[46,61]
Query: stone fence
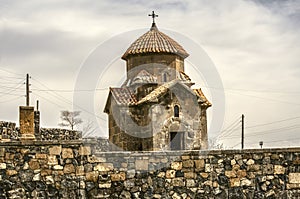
[73,169]
[9,132]
[58,134]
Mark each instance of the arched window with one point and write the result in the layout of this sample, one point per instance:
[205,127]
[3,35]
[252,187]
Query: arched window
[165,77]
[176,111]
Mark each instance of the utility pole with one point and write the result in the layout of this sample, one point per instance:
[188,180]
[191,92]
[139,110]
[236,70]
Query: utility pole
[243,131]
[27,90]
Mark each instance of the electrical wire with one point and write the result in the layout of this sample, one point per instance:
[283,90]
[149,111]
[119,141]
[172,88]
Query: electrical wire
[10,100]
[65,91]
[279,121]
[58,96]
[11,72]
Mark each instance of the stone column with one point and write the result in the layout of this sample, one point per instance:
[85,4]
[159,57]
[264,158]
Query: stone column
[37,124]
[27,122]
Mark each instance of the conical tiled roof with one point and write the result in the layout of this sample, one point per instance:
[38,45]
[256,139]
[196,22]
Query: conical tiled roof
[155,41]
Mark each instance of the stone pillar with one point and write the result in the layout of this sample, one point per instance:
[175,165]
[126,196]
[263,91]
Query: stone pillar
[27,122]
[37,124]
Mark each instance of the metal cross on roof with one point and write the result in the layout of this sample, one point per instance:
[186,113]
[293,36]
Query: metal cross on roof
[153,15]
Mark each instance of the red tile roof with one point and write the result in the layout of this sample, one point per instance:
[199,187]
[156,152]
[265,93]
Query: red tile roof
[123,96]
[155,41]
[202,99]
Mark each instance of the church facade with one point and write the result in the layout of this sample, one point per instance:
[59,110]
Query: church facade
[156,108]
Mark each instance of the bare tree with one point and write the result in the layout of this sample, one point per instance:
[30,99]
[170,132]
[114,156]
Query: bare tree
[214,144]
[70,118]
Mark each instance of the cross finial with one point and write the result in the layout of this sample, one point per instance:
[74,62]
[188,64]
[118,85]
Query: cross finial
[153,15]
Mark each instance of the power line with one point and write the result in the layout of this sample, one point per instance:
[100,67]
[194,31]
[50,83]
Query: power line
[273,141]
[226,129]
[58,96]
[12,89]
[271,131]
[11,72]
[230,131]
[256,91]
[11,100]
[81,90]
[279,121]
[269,99]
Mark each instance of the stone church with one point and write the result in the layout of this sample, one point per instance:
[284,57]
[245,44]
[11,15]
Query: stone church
[156,108]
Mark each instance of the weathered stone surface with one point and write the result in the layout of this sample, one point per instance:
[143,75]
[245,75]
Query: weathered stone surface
[178,182]
[246,182]
[92,176]
[118,177]
[199,164]
[80,170]
[2,165]
[241,173]
[235,182]
[190,175]
[36,177]
[67,153]
[49,179]
[294,178]
[69,168]
[188,163]
[190,183]
[176,165]
[96,159]
[104,167]
[130,173]
[141,165]
[55,150]
[58,167]
[204,175]
[278,169]
[170,173]
[85,150]
[104,185]
[293,186]
[250,162]
[46,172]
[52,160]
[34,164]
[208,168]
[11,172]
[41,156]
[114,175]
[230,174]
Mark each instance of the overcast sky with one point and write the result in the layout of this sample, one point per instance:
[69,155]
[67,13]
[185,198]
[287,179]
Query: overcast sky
[254,46]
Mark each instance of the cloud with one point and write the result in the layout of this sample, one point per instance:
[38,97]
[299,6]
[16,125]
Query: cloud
[254,45]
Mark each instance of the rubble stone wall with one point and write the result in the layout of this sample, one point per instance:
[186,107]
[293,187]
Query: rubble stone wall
[9,132]
[73,169]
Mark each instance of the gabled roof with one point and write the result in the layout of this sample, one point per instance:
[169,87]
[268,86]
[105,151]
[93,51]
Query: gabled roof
[155,41]
[156,93]
[184,76]
[202,99]
[123,96]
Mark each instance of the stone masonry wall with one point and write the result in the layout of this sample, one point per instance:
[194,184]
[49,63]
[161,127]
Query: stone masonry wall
[71,169]
[9,132]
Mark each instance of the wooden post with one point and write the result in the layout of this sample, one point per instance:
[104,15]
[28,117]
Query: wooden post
[27,90]
[243,131]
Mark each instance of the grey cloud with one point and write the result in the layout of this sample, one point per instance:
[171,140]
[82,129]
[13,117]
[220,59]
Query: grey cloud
[254,44]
